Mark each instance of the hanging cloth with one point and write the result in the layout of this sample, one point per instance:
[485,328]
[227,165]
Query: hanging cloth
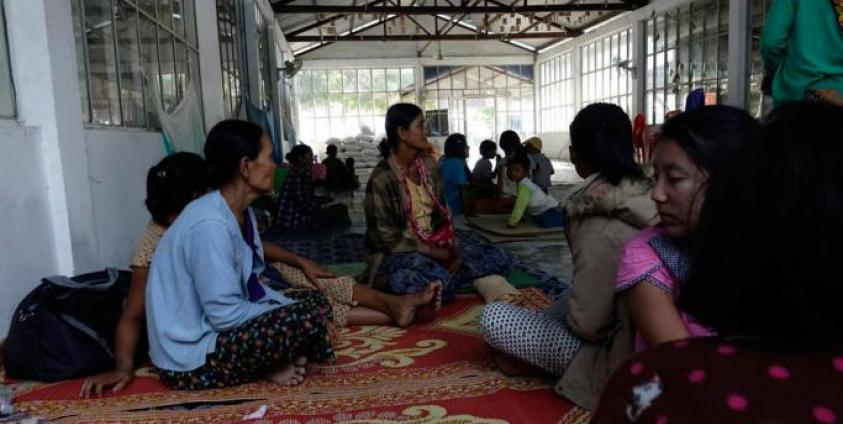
[266,120]
[183,129]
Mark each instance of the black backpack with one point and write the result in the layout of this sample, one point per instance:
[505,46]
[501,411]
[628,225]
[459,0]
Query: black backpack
[64,328]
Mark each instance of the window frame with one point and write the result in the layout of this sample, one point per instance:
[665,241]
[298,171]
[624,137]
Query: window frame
[557,92]
[232,55]
[597,66]
[309,114]
[676,83]
[187,41]
[4,46]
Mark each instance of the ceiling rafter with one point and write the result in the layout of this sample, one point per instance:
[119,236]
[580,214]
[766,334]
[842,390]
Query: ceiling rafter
[420,37]
[446,31]
[327,20]
[454,10]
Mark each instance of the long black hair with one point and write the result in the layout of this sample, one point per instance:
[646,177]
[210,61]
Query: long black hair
[510,142]
[455,146]
[227,143]
[601,136]
[298,151]
[399,115]
[766,261]
[711,135]
[172,183]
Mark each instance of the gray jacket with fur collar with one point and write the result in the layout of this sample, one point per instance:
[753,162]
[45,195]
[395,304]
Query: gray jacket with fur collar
[600,218]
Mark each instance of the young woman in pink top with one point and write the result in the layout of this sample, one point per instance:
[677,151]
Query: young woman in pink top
[692,148]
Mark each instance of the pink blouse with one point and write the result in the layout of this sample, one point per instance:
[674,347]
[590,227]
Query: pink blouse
[639,262]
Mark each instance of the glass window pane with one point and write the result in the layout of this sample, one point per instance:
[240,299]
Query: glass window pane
[349,81]
[378,80]
[149,54]
[164,11]
[320,81]
[130,68]
[102,62]
[167,70]
[7,101]
[320,105]
[336,105]
[304,81]
[380,102]
[365,103]
[179,18]
[350,104]
[147,6]
[393,79]
[305,102]
[408,78]
[335,81]
[364,80]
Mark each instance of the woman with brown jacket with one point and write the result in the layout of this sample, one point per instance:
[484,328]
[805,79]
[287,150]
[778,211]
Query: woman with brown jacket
[586,333]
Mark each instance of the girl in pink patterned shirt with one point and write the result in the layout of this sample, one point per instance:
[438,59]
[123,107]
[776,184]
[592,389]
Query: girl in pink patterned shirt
[692,147]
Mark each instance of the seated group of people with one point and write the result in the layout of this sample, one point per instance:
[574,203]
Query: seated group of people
[737,235]
[518,184]
[734,243]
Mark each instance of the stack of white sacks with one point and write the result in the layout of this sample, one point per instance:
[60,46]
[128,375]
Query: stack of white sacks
[363,148]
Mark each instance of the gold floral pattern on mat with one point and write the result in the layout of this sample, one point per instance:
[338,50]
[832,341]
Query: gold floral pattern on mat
[373,345]
[576,416]
[464,322]
[358,342]
[398,358]
[421,414]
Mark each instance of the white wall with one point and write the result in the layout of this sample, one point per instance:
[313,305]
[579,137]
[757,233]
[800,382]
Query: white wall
[72,197]
[118,162]
[555,144]
[26,234]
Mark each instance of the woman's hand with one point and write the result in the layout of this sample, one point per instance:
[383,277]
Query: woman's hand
[456,264]
[314,272]
[333,334]
[96,384]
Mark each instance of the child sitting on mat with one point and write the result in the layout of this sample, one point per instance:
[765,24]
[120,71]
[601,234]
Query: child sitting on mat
[484,173]
[542,168]
[542,207]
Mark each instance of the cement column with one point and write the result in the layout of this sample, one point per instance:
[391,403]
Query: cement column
[42,52]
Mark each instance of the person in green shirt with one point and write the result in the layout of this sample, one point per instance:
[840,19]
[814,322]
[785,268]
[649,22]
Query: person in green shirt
[802,46]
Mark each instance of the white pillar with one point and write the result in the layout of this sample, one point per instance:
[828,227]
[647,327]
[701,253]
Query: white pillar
[207,34]
[739,69]
[250,31]
[639,83]
[43,58]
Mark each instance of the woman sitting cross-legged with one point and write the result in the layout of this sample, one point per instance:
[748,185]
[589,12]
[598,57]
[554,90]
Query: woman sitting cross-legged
[211,322]
[584,335]
[298,208]
[207,271]
[171,185]
[410,234]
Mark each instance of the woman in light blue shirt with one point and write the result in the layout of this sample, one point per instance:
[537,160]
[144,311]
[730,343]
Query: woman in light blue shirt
[211,323]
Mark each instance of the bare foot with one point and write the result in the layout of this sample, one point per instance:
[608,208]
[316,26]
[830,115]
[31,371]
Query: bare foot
[290,375]
[427,311]
[403,311]
[515,367]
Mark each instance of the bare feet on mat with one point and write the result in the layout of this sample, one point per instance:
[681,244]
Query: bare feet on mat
[290,375]
[433,294]
[406,311]
[515,367]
